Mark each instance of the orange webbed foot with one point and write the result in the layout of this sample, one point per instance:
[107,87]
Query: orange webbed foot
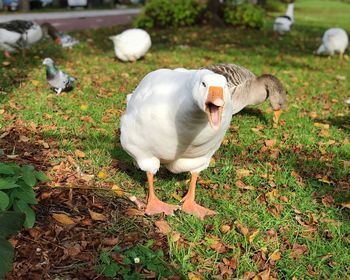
[155,206]
[191,207]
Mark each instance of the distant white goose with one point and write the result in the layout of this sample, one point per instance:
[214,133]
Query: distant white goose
[334,40]
[283,24]
[348,101]
[131,44]
[18,34]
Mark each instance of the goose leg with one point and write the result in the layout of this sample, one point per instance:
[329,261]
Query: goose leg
[154,205]
[190,206]
[7,54]
[58,91]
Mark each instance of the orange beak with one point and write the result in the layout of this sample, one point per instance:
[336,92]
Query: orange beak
[214,106]
[276,118]
[58,41]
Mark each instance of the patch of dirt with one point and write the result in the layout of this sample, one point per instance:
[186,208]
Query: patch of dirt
[75,217]
[55,249]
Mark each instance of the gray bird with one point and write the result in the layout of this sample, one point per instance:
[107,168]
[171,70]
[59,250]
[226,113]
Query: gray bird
[247,89]
[56,78]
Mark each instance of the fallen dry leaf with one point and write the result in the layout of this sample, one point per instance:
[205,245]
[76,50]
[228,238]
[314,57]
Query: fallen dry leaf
[270,143]
[321,125]
[23,138]
[232,263]
[97,216]
[87,119]
[218,247]
[311,270]
[192,276]
[252,235]
[163,226]
[275,256]
[248,275]
[117,190]
[175,236]
[79,154]
[328,200]
[331,221]
[265,275]
[345,204]
[84,107]
[241,228]
[140,205]
[298,250]
[243,186]
[110,241]
[134,212]
[72,251]
[63,218]
[225,271]
[225,228]
[35,82]
[242,173]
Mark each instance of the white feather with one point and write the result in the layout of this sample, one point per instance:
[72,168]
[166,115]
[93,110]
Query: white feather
[334,40]
[165,121]
[131,44]
[9,39]
[283,24]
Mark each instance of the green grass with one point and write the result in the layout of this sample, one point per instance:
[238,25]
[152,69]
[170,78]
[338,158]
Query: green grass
[308,156]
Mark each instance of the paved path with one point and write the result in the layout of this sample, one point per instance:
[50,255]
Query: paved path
[78,20]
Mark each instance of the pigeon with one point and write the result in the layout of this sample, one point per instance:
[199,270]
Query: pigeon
[61,38]
[56,78]
[66,40]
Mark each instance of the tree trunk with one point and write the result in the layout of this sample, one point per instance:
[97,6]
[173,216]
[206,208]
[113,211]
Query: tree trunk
[215,13]
[24,5]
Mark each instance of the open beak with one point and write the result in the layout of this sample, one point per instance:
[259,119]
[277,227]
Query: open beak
[276,117]
[214,106]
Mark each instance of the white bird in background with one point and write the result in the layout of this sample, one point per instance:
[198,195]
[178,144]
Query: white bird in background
[284,23]
[131,44]
[19,35]
[348,101]
[179,119]
[334,40]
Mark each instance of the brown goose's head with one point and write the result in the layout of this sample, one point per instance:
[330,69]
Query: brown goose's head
[275,92]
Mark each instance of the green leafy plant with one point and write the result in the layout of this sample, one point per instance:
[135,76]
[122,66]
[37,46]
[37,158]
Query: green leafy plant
[10,222]
[16,189]
[165,13]
[245,14]
[140,256]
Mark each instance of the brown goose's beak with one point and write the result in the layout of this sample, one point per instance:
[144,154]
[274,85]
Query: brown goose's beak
[276,117]
[214,106]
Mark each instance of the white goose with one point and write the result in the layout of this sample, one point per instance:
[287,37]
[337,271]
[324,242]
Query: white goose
[284,23]
[131,44]
[177,118]
[18,34]
[334,40]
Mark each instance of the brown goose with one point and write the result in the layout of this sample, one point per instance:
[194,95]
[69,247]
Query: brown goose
[247,89]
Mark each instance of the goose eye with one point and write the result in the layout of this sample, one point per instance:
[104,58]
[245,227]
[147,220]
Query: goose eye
[203,84]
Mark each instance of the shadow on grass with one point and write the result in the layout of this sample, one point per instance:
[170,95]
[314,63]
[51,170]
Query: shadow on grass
[255,113]
[342,122]
[322,177]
